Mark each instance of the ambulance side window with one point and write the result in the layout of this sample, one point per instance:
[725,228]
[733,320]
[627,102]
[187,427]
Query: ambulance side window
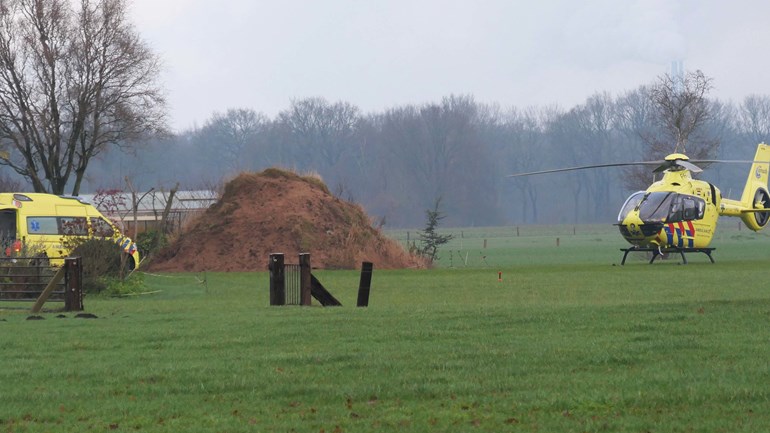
[101,227]
[73,226]
[50,225]
[42,225]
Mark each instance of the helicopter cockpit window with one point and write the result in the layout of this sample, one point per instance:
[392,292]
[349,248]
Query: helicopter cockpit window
[631,203]
[656,206]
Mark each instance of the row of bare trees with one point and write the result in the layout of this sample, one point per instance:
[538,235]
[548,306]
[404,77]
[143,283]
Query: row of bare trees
[398,162]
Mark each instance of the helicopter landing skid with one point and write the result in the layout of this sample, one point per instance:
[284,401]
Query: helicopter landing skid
[659,251]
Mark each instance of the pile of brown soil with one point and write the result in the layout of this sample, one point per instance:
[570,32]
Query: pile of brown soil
[276,211]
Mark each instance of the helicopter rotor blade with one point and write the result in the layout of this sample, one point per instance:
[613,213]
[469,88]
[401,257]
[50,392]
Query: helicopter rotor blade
[688,165]
[585,167]
[727,161]
[662,165]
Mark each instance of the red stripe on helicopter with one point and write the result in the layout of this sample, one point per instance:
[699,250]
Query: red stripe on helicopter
[692,233]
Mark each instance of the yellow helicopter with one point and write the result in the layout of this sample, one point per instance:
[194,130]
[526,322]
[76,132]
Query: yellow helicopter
[679,213]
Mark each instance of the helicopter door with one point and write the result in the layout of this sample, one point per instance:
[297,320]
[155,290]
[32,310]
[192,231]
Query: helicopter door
[686,208]
[694,208]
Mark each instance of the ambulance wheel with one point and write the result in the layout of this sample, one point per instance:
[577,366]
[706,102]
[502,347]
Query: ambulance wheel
[130,263]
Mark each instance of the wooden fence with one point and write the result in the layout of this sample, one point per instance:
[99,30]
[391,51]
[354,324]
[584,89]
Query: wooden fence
[33,279]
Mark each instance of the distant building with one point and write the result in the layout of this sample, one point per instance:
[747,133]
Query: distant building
[149,211]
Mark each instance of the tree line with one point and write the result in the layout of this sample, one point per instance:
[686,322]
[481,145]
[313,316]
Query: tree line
[397,163]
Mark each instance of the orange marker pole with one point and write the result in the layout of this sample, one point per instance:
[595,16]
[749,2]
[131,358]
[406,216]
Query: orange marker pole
[500,276]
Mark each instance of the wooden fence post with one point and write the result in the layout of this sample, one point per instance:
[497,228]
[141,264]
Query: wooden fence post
[365,284]
[277,281]
[73,291]
[304,279]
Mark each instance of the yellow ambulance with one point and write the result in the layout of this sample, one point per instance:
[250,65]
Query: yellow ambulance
[43,222]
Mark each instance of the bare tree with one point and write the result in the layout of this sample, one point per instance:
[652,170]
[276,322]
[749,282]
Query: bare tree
[597,121]
[753,118]
[671,115]
[75,79]
[320,130]
[681,106]
[519,141]
[230,139]
[436,150]
[638,124]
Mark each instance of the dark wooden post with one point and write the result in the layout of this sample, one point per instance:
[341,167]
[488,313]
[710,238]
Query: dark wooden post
[277,281]
[304,279]
[73,291]
[365,284]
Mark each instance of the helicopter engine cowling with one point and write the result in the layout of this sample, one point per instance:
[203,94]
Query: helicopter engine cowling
[758,220]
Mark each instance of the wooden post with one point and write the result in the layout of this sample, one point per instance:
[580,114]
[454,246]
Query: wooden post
[47,291]
[304,279]
[277,281]
[365,284]
[73,295]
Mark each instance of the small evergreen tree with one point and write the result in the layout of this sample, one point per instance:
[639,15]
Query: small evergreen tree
[429,238]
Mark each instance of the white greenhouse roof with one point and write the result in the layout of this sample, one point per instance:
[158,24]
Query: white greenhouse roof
[155,201]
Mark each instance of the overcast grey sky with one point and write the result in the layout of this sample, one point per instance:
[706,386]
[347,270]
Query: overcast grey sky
[379,54]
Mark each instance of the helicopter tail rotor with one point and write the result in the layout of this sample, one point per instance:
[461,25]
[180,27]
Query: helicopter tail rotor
[761,201]
[754,214]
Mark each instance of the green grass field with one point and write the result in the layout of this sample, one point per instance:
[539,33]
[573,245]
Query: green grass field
[568,341]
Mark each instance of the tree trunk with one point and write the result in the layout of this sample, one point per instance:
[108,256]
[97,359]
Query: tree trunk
[167,209]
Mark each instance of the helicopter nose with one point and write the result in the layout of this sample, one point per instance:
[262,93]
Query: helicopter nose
[629,228]
[637,232]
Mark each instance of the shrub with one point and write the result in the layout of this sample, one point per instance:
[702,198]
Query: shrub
[125,287]
[104,264]
[430,238]
[150,242]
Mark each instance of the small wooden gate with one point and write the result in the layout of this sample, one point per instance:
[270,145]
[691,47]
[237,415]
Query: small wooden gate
[296,285]
[289,283]
[33,279]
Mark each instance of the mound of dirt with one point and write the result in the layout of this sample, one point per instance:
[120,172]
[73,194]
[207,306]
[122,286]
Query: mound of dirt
[276,211]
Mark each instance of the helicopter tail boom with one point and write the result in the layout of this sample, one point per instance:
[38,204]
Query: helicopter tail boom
[754,206]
